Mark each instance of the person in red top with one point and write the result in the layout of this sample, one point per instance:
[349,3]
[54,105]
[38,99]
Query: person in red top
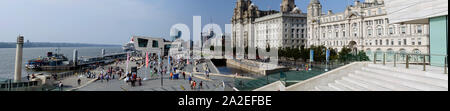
[194,84]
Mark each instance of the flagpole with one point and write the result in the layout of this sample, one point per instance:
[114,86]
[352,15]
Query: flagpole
[159,60]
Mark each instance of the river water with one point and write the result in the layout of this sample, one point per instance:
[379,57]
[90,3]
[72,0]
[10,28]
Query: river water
[7,57]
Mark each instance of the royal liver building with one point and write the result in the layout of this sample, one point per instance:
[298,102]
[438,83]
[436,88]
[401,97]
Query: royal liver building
[364,26]
[256,28]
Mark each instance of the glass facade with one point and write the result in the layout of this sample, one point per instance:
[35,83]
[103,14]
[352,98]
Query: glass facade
[438,40]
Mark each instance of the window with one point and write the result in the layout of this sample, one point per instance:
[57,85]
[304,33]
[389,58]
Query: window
[419,41]
[392,41]
[404,42]
[380,11]
[142,42]
[387,41]
[155,44]
[369,32]
[403,28]
[391,30]
[419,29]
[380,31]
[381,42]
[399,42]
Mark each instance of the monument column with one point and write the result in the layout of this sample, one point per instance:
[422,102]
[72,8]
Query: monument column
[18,67]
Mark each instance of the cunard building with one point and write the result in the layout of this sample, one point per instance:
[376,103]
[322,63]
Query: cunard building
[364,26]
[257,28]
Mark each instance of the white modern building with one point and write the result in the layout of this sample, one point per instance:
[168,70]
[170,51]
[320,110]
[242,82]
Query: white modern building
[152,45]
[364,26]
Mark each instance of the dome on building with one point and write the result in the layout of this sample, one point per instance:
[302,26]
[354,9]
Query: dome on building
[296,10]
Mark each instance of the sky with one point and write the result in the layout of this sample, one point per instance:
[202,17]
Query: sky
[115,21]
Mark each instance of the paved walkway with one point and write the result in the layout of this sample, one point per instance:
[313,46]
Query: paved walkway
[213,83]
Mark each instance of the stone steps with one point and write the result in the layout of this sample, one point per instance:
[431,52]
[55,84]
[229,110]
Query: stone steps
[351,86]
[417,72]
[381,78]
[416,84]
[412,77]
[383,81]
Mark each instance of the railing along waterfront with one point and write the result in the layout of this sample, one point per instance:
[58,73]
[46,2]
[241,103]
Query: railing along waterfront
[10,85]
[410,59]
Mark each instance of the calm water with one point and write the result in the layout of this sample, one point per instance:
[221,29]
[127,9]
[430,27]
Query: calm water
[7,56]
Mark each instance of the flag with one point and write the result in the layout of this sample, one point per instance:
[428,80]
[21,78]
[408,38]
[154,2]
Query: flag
[128,60]
[146,60]
[328,55]
[311,56]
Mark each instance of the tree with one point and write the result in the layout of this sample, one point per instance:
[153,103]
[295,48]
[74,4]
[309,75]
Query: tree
[344,54]
[296,54]
[319,53]
[362,56]
[304,53]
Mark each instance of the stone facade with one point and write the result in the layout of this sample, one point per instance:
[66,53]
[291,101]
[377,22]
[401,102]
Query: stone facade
[364,26]
[256,28]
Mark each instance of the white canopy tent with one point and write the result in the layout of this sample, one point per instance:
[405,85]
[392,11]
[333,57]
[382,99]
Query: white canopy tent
[415,11]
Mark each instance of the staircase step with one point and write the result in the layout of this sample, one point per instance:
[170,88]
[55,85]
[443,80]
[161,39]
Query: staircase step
[339,87]
[367,85]
[410,71]
[411,77]
[400,84]
[380,81]
[325,88]
[352,86]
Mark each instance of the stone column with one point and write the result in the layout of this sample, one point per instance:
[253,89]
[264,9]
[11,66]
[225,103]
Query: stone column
[18,67]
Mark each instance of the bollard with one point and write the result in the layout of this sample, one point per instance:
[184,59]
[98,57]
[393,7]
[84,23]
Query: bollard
[384,58]
[424,63]
[407,61]
[375,58]
[395,60]
[445,66]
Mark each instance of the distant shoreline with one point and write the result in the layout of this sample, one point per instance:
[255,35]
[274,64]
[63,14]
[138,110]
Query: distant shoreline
[49,45]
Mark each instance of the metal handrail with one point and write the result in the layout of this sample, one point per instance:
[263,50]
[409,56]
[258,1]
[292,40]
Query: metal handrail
[408,57]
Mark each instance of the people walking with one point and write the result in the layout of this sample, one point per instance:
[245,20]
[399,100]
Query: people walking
[60,85]
[201,84]
[79,81]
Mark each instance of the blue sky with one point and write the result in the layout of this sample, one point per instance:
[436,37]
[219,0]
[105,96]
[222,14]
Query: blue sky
[115,21]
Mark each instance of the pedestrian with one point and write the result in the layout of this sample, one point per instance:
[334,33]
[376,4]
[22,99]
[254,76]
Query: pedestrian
[194,84]
[184,75]
[101,77]
[201,84]
[171,76]
[140,81]
[79,81]
[107,78]
[190,79]
[60,85]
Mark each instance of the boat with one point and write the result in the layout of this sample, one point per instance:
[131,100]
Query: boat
[129,46]
[51,62]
